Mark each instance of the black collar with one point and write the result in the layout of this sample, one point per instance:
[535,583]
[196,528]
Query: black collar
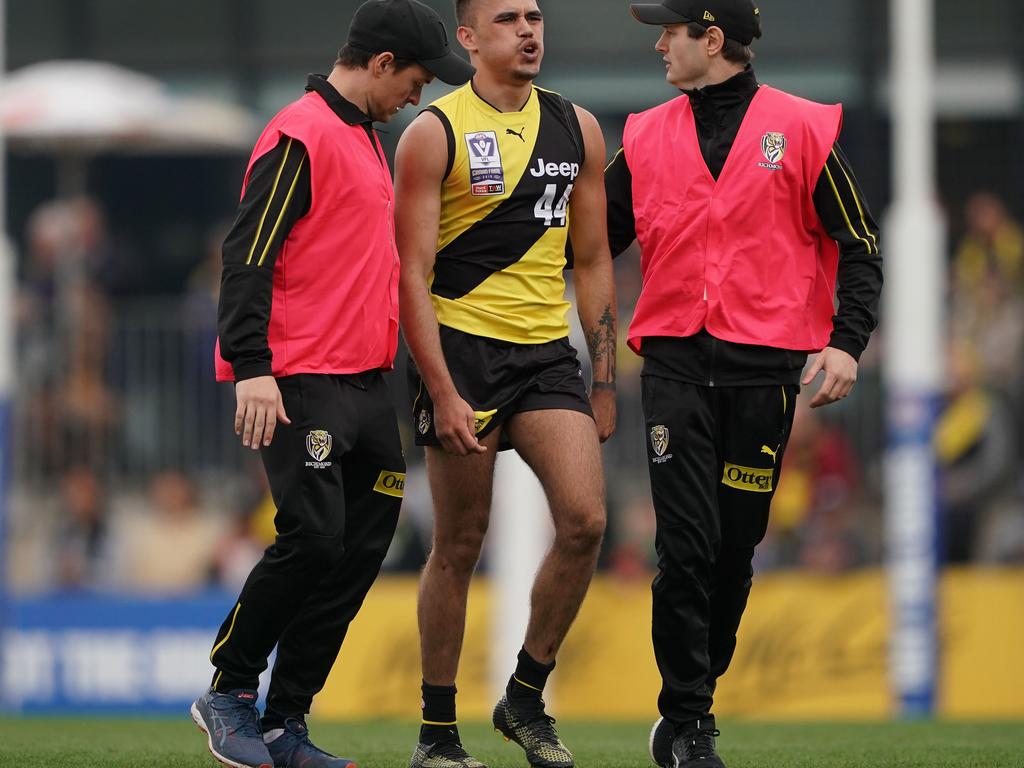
[341,106]
[742,85]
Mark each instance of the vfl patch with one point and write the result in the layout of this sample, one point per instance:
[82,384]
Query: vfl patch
[659,442]
[423,422]
[318,444]
[486,176]
[391,484]
[482,419]
[773,146]
[747,478]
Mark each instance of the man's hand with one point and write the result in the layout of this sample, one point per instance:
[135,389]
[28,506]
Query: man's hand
[455,426]
[840,376]
[602,401]
[259,409]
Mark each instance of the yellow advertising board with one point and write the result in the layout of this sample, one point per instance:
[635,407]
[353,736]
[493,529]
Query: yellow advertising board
[809,647]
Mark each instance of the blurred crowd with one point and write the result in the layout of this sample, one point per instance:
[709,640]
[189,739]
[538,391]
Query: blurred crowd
[128,477]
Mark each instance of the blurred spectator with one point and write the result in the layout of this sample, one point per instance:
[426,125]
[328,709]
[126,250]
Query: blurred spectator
[815,519]
[63,319]
[975,442]
[171,549]
[987,288]
[251,532]
[631,555]
[81,541]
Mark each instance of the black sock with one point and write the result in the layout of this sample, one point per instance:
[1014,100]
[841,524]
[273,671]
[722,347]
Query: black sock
[439,721]
[529,678]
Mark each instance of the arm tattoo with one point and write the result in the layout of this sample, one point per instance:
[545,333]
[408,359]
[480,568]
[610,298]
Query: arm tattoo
[601,343]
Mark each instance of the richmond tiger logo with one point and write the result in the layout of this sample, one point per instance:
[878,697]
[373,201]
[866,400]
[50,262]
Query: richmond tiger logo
[319,443]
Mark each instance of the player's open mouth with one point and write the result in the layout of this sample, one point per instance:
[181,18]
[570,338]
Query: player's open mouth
[530,49]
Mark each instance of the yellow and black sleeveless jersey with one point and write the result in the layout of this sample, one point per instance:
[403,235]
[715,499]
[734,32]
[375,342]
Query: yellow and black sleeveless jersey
[505,216]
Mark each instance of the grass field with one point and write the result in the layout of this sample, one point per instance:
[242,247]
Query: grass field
[65,743]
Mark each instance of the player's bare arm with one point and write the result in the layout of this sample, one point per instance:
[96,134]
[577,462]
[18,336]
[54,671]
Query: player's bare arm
[592,275]
[420,163]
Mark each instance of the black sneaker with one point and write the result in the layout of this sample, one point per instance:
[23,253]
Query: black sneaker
[659,745]
[444,754]
[525,722]
[694,746]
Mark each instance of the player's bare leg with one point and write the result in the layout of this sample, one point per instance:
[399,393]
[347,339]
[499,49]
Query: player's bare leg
[461,490]
[563,450]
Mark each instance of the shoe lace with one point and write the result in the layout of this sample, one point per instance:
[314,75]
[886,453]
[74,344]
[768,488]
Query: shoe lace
[702,743]
[245,717]
[450,749]
[540,722]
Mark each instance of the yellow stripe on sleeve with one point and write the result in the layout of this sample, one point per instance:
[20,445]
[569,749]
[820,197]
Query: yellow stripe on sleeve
[284,209]
[860,210]
[614,158]
[270,199]
[842,207]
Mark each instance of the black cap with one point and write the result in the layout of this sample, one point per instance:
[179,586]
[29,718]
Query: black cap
[410,30]
[740,20]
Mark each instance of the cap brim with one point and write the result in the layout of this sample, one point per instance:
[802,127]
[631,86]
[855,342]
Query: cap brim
[450,68]
[651,13]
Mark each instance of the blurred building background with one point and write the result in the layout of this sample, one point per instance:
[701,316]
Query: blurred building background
[129,485]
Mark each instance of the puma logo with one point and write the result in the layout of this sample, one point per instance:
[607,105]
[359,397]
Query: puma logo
[767,450]
[510,132]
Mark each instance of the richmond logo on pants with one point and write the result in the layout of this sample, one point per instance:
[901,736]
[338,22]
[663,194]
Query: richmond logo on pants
[318,444]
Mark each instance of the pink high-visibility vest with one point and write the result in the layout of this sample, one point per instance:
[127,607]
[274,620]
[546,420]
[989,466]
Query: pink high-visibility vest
[745,257]
[335,297]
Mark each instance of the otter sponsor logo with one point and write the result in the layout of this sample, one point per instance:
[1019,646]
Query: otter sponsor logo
[747,478]
[568,170]
[391,484]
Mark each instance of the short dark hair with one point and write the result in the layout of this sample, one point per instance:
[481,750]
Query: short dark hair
[732,50]
[354,58]
[462,12]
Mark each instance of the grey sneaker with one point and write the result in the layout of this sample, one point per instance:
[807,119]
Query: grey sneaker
[293,749]
[659,744]
[694,746]
[525,722]
[445,754]
[232,726]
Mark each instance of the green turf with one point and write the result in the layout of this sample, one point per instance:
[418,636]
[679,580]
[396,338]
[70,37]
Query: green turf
[60,743]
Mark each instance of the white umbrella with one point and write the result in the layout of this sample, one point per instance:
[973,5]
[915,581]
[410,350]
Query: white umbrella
[76,109]
[100,106]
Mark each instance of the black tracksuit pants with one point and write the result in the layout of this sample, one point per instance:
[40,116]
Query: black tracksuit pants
[337,475]
[715,456]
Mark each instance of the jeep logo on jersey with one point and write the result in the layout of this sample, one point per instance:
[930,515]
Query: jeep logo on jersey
[747,478]
[773,144]
[570,170]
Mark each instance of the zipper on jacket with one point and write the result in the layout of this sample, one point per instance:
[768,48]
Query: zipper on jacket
[714,355]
